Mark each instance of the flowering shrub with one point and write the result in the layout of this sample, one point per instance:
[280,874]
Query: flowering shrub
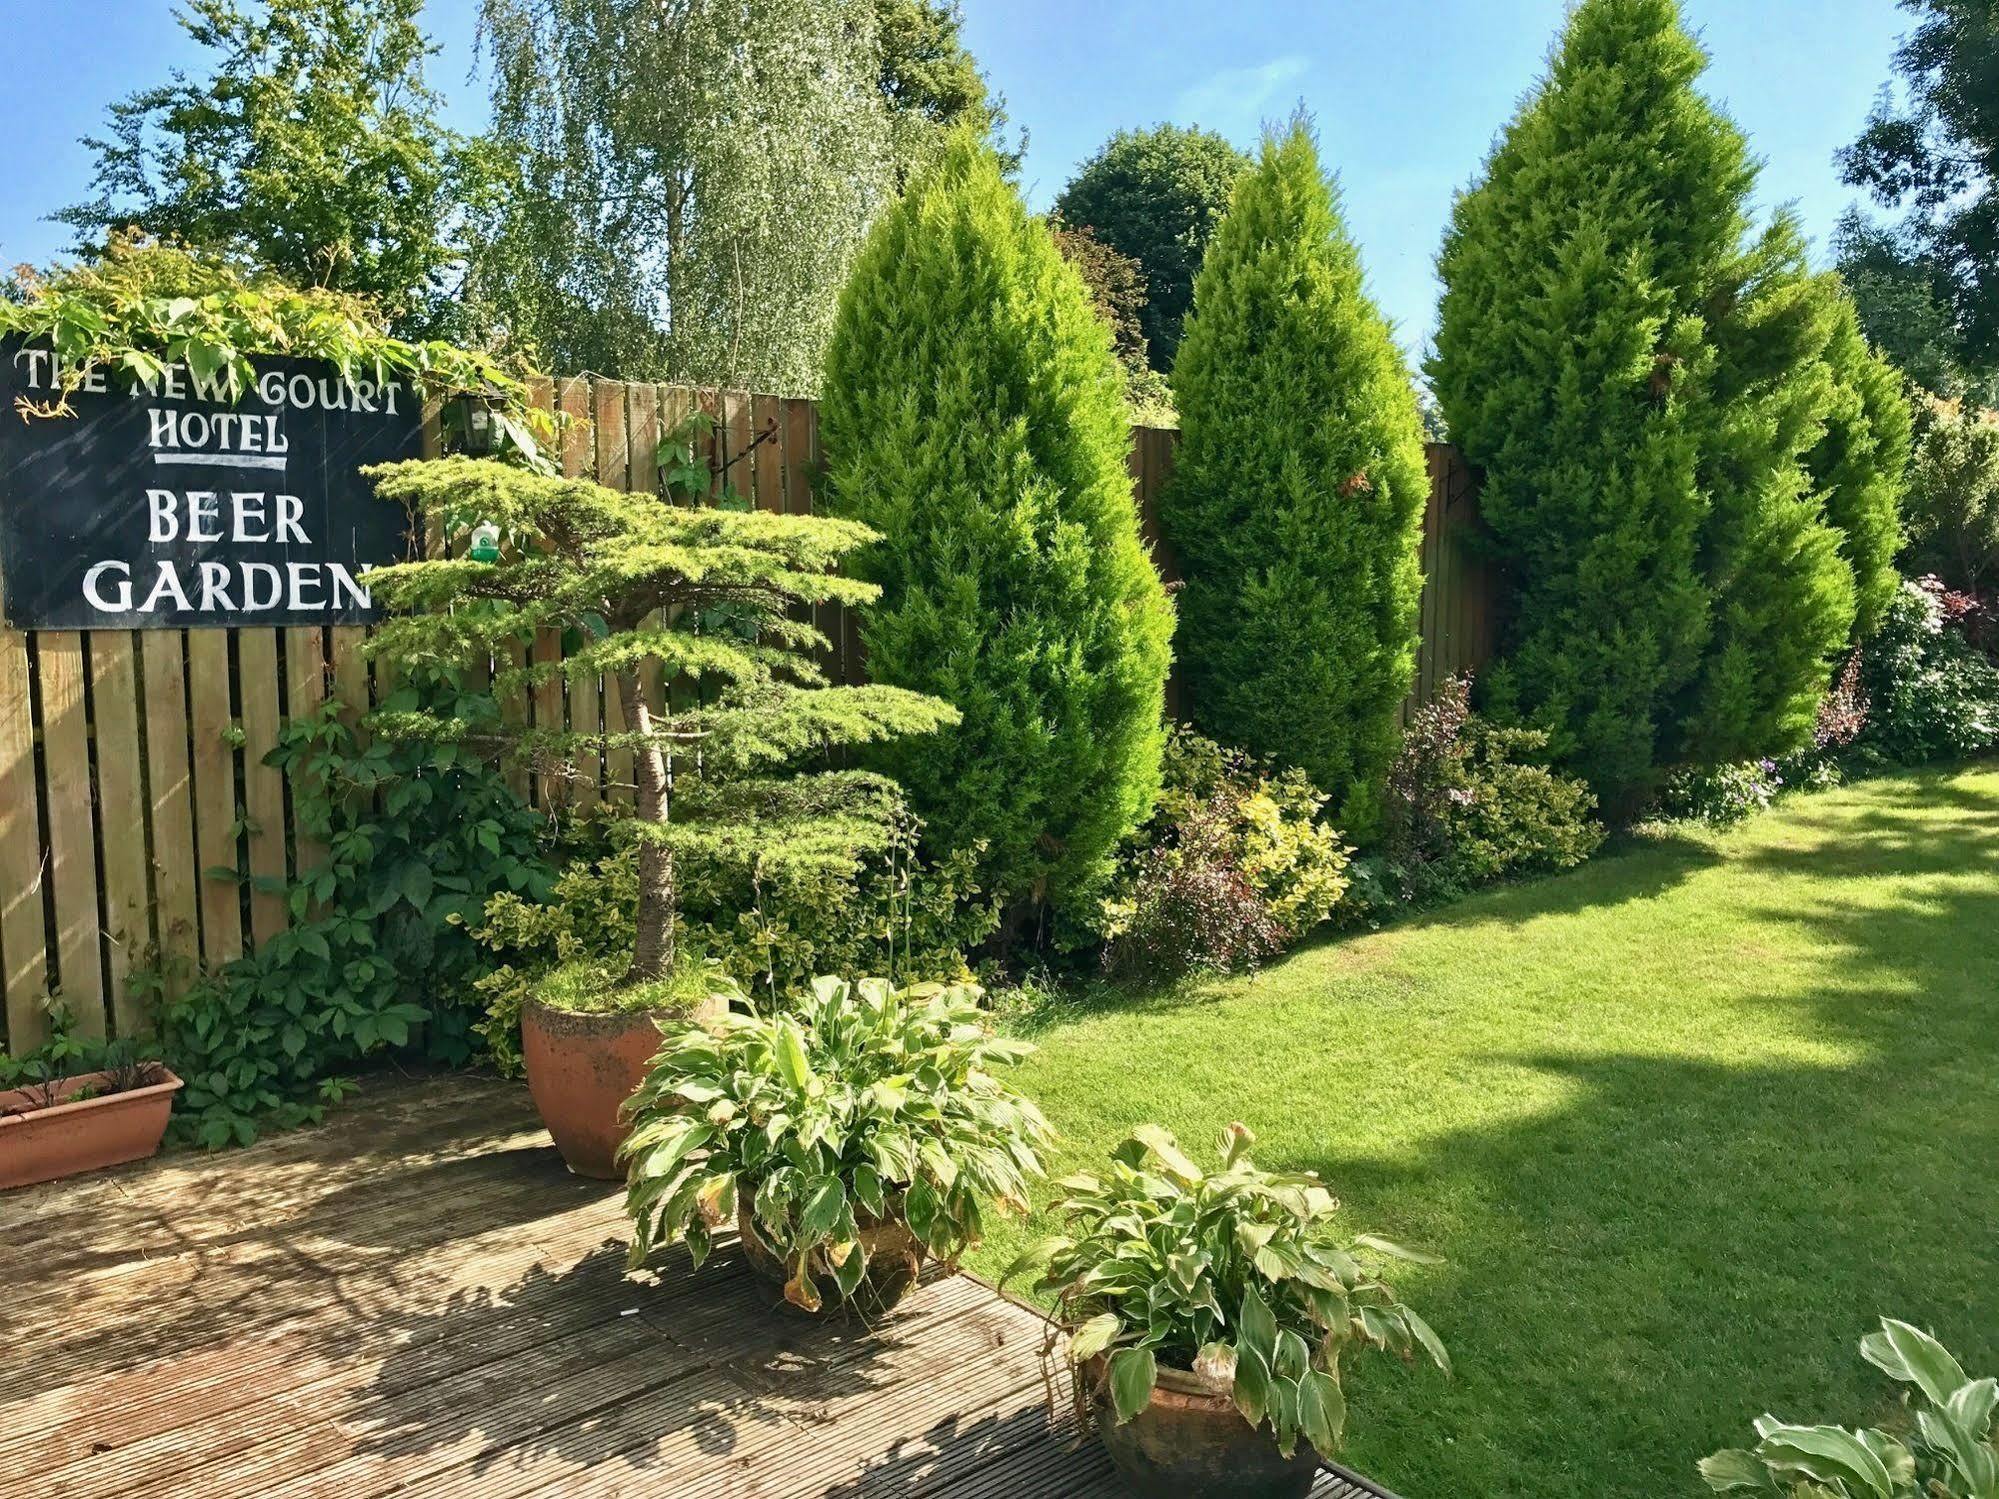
[1931,693]
[1234,866]
[1469,802]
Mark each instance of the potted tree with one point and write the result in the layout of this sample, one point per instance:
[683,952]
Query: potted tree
[1207,1314]
[847,1142]
[74,1106]
[692,615]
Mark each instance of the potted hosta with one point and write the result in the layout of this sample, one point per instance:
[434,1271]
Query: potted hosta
[847,1141]
[586,1038]
[55,1123]
[1952,1452]
[1208,1313]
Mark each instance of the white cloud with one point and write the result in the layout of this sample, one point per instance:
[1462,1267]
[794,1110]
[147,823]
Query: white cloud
[1238,100]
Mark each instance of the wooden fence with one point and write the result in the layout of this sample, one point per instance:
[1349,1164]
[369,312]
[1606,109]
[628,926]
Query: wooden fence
[131,762]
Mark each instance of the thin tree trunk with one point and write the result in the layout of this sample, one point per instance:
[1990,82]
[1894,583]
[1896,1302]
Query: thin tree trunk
[652,952]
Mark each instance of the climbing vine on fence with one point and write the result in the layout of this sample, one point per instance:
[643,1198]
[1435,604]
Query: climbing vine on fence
[418,837]
[143,306]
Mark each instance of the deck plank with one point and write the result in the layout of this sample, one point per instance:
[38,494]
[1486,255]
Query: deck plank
[417,1299]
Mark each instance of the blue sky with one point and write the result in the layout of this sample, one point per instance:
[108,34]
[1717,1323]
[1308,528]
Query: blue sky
[1407,96]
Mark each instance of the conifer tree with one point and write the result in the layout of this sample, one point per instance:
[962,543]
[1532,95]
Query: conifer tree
[1862,462]
[690,595]
[1665,410]
[1296,504]
[973,414]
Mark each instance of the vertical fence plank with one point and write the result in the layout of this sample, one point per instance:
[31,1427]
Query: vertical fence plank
[349,671]
[551,786]
[170,791]
[642,438]
[72,851]
[121,802]
[614,471]
[23,934]
[675,404]
[263,785]
[305,691]
[579,455]
[764,483]
[214,762]
[734,440]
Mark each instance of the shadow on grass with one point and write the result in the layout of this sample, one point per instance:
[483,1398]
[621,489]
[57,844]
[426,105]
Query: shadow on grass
[1681,1245]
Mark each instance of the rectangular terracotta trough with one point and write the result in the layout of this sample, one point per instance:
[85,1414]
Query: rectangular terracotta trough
[81,1134]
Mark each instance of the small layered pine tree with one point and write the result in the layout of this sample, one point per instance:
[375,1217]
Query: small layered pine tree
[686,611]
[973,414]
[1296,506]
[1690,475]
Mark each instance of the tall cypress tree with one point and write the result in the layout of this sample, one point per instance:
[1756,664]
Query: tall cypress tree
[973,414]
[1297,500]
[1646,386]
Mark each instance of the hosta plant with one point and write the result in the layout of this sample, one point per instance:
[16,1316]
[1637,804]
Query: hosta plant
[1953,1452]
[868,1121]
[1237,1275]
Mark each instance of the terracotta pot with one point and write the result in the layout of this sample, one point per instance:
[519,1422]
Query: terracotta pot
[1192,1442]
[84,1134]
[895,1259]
[582,1067]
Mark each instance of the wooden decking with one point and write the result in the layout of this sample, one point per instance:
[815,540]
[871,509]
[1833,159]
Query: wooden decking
[417,1298]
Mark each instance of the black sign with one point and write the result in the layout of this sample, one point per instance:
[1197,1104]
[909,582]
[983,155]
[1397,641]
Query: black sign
[167,505]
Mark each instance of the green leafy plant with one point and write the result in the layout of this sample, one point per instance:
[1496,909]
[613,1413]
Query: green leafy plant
[1953,1452]
[769,930]
[143,306]
[1235,865]
[1469,802]
[1953,503]
[1155,197]
[1723,795]
[1690,458]
[868,1105]
[1931,694]
[308,144]
[127,1063]
[1234,1275]
[418,838]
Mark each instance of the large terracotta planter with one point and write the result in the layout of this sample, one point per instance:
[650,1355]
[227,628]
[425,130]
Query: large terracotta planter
[895,1259]
[1193,1443]
[82,1134]
[582,1067]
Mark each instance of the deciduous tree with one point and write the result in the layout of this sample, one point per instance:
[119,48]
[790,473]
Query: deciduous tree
[1156,195]
[310,151]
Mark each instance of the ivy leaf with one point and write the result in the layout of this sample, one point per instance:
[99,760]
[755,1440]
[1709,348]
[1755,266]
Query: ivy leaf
[416,884]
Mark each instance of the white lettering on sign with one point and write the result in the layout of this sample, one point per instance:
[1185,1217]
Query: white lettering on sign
[226,588]
[229,553]
[249,520]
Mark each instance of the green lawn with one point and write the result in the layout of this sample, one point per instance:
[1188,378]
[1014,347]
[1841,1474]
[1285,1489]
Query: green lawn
[1684,1122]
